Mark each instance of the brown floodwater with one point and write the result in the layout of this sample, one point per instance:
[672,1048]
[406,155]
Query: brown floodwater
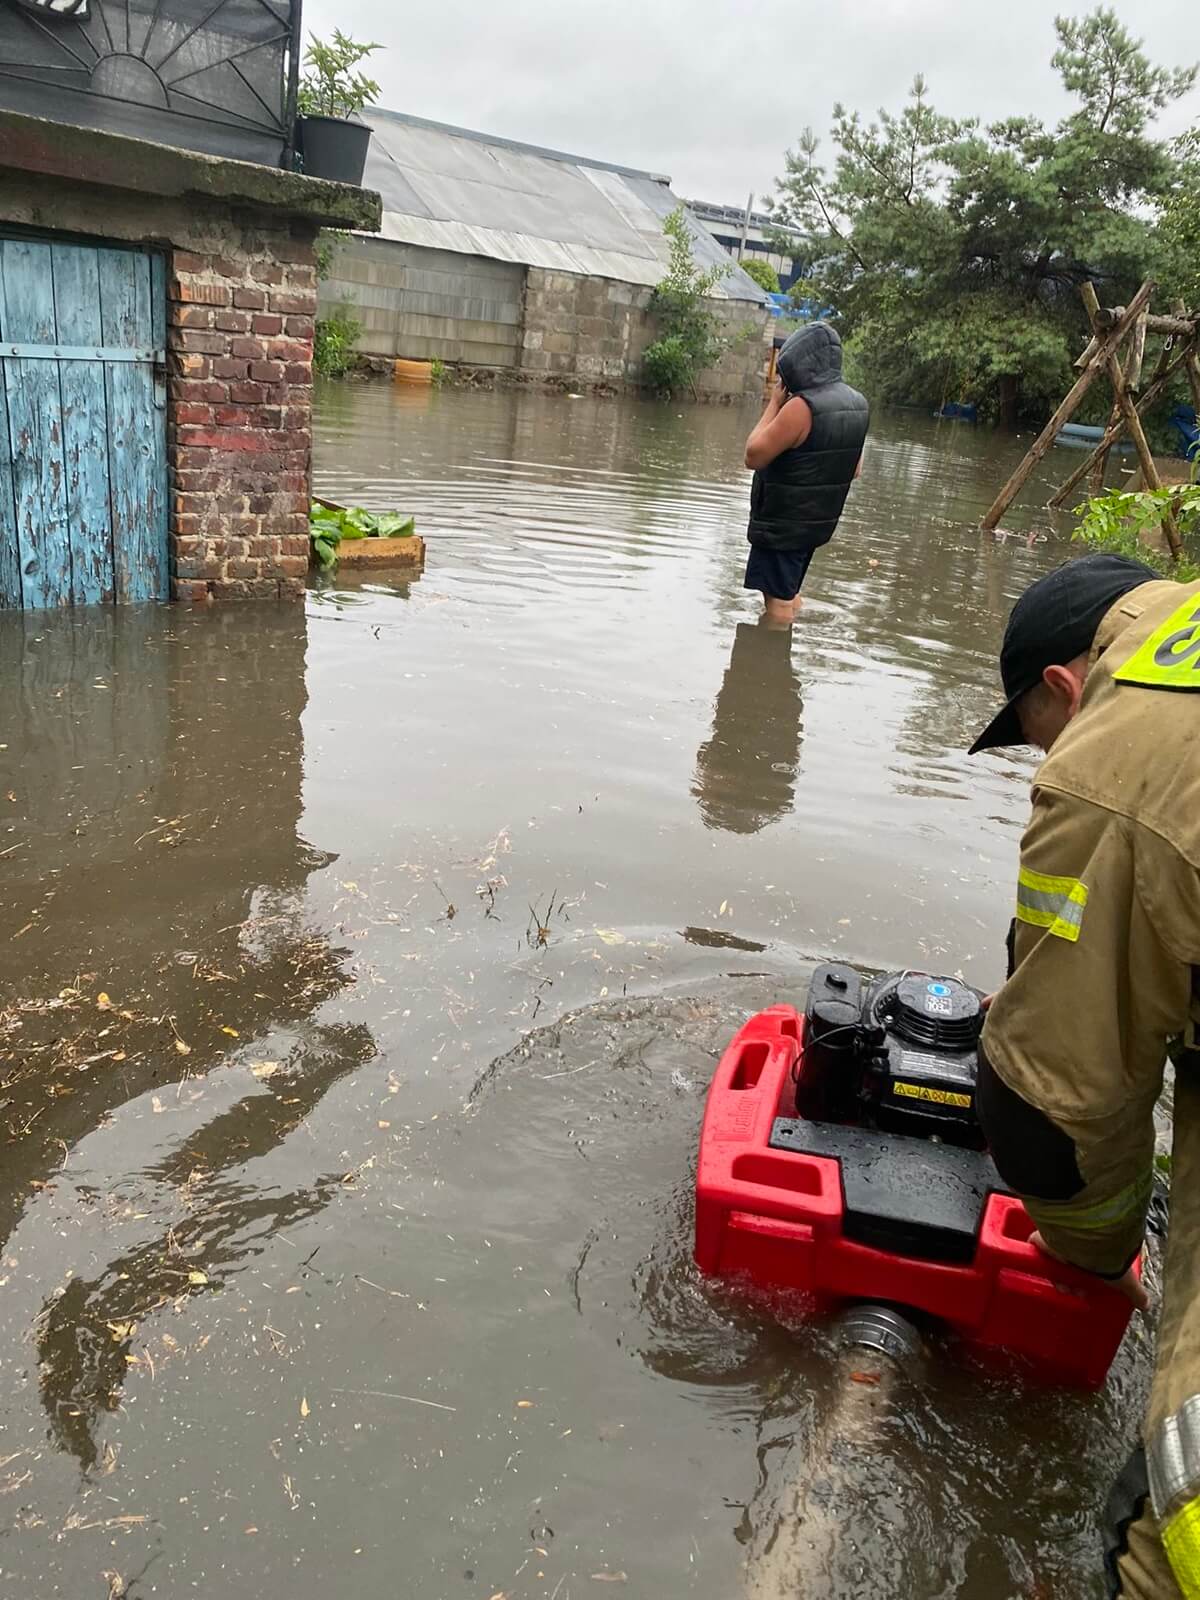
[362,968]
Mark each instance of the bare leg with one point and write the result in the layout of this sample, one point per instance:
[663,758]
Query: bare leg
[796,604]
[778,613]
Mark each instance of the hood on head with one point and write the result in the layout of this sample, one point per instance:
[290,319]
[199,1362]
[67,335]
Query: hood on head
[811,357]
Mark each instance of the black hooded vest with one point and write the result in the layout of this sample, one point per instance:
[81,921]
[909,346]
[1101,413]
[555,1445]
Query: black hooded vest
[796,500]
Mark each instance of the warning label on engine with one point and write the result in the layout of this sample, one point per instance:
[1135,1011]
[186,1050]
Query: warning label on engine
[939,1097]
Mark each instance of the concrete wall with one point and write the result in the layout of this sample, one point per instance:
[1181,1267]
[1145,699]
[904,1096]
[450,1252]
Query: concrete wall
[597,330]
[558,326]
[420,303]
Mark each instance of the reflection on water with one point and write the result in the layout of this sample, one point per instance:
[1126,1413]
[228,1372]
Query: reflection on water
[746,771]
[346,1212]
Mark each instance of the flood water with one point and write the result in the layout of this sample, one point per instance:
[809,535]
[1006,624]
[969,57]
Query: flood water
[362,969]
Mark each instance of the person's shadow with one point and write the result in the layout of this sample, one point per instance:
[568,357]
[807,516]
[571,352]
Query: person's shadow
[746,770]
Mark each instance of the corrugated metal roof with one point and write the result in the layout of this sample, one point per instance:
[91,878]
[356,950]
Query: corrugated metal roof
[452,189]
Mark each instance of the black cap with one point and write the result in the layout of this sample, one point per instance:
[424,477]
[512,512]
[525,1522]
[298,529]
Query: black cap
[1054,621]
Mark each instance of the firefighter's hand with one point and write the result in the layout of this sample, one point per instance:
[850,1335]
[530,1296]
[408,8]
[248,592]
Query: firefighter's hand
[1130,1285]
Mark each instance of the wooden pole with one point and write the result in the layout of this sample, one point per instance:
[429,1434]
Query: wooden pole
[1179,326]
[1191,364]
[1133,382]
[1110,342]
[1165,372]
[1133,422]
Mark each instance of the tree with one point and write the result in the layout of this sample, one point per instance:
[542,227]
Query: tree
[329,88]
[689,341]
[952,253]
[1179,231]
[762,272]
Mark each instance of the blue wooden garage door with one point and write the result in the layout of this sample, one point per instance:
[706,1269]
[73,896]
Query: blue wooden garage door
[83,476]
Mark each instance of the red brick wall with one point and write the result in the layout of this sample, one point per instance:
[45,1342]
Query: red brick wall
[239,427]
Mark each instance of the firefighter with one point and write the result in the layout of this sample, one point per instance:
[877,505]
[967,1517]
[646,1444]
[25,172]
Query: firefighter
[1101,669]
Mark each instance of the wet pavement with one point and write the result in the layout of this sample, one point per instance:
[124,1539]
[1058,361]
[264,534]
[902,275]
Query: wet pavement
[362,968]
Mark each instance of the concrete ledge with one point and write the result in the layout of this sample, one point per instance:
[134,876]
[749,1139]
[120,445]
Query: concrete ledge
[113,161]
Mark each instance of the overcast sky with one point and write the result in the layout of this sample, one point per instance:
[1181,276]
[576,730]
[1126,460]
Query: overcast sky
[711,92]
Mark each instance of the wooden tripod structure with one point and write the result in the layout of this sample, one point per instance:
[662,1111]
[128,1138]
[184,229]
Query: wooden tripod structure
[1111,331]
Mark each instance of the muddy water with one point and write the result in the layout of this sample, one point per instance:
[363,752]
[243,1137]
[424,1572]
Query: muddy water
[362,969]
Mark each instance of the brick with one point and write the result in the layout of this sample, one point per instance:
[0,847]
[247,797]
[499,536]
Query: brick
[289,350]
[301,276]
[298,372]
[293,544]
[246,394]
[232,321]
[188,292]
[230,369]
[192,343]
[187,261]
[246,299]
[234,417]
[294,302]
[190,317]
[263,546]
[246,348]
[194,593]
[239,440]
[187,522]
[266,371]
[200,390]
[193,413]
[299,328]
[189,366]
[242,569]
[227,267]
[266,272]
[292,566]
[267,326]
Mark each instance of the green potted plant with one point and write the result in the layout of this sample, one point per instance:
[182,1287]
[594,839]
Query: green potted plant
[331,93]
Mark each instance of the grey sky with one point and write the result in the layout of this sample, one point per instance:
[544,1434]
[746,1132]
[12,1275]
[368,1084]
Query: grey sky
[710,92]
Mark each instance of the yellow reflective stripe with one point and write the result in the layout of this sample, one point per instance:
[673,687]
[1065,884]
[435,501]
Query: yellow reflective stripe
[1050,902]
[1181,1541]
[1097,1215]
[1170,657]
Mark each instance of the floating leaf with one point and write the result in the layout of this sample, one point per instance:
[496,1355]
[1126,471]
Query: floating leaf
[184,1049]
[524,1405]
[611,936]
[196,1276]
[304,1408]
[103,1003]
[724,908]
[232,1032]
[264,1069]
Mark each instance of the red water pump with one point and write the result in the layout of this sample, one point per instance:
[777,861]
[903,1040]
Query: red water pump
[841,1157]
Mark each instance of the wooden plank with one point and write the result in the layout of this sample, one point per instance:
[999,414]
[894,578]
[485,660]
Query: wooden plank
[10,567]
[136,450]
[85,425]
[1111,341]
[35,428]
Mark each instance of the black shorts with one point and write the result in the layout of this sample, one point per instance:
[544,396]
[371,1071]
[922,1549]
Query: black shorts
[778,573]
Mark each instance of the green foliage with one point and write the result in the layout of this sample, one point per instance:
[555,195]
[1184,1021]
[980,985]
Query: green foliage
[327,527]
[689,341]
[329,88]
[762,272]
[329,242]
[438,371]
[953,253]
[1120,520]
[1179,231]
[335,339]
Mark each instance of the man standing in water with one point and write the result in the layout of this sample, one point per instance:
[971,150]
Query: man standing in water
[806,451]
[1101,667]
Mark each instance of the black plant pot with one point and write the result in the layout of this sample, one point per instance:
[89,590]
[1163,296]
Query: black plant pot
[333,148]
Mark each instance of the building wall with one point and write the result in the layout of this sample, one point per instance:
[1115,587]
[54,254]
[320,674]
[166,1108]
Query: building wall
[241,298]
[426,304]
[597,331]
[422,304]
